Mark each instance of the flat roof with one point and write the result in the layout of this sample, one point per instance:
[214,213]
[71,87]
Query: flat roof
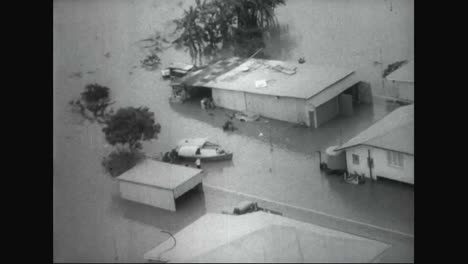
[252,237]
[303,80]
[159,174]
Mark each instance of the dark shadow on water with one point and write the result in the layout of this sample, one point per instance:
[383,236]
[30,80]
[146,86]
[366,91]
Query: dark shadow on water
[190,206]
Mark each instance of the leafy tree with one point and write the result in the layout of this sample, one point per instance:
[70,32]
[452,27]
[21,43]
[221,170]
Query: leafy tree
[130,125]
[96,99]
[238,25]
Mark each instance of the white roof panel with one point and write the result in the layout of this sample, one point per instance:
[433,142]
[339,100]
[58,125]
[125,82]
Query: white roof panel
[159,174]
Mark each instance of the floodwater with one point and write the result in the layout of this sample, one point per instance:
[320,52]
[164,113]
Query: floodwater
[97,41]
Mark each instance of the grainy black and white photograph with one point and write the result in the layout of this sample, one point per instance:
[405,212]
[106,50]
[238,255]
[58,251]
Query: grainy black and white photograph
[239,131]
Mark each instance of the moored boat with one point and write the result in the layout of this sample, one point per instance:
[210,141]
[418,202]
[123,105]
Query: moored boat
[201,148]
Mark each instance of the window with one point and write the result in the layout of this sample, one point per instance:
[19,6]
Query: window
[395,158]
[355,159]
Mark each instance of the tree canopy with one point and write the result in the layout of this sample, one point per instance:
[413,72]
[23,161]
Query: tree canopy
[96,99]
[238,25]
[130,125]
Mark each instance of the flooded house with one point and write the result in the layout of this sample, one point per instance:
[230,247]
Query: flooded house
[385,149]
[298,93]
[401,83]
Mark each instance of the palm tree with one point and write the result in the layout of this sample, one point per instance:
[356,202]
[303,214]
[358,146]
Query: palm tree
[216,24]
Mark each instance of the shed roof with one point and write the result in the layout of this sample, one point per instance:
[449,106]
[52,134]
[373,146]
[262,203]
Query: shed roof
[394,132]
[403,74]
[263,237]
[159,174]
[295,80]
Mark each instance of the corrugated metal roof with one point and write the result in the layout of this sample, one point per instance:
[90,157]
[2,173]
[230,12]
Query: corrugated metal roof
[159,174]
[294,80]
[394,132]
[403,74]
[202,76]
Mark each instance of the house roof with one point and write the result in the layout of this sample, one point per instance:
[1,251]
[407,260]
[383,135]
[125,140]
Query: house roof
[403,74]
[394,132]
[281,78]
[263,237]
[159,174]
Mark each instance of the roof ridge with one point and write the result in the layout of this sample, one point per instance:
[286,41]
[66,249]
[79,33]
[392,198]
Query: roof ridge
[389,131]
[401,122]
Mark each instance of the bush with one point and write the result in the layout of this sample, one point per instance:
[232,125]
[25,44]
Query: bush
[121,161]
[129,126]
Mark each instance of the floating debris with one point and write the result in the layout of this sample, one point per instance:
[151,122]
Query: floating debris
[107,55]
[151,62]
[76,75]
[91,72]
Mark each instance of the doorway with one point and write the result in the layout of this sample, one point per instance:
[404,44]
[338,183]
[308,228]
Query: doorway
[311,119]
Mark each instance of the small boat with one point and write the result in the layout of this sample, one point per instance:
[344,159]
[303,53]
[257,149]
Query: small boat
[201,148]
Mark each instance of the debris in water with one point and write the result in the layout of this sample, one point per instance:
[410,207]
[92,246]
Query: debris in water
[130,73]
[90,72]
[261,134]
[76,75]
[107,55]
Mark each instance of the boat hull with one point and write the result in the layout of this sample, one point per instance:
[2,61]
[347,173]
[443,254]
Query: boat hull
[227,156]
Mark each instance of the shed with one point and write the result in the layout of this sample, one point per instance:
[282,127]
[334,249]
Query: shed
[157,183]
[298,93]
[263,238]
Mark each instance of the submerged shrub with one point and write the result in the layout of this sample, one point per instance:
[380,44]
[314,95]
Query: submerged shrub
[121,161]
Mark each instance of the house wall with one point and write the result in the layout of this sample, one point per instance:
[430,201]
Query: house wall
[233,100]
[400,90]
[327,111]
[280,108]
[188,185]
[148,195]
[381,166]
[405,90]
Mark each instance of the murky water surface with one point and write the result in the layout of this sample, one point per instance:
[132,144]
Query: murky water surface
[96,41]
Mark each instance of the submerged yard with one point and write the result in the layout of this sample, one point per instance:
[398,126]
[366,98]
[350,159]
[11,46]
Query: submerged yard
[96,41]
